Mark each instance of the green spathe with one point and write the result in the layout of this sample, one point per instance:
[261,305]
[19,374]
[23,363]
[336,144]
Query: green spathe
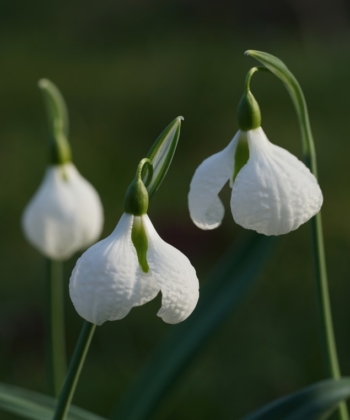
[249,116]
[57,115]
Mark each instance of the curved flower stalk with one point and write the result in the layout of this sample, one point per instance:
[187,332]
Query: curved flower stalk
[273,192]
[65,215]
[131,266]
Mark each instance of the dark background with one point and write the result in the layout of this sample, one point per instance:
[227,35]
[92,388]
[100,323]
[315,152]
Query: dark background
[126,69]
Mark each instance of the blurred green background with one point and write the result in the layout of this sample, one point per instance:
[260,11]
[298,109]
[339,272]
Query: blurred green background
[126,69]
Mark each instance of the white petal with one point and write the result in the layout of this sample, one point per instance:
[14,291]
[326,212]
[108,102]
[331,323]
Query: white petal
[89,207]
[274,193]
[206,208]
[175,275]
[107,280]
[65,214]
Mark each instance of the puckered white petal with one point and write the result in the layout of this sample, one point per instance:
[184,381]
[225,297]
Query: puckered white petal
[65,214]
[274,193]
[206,208]
[174,274]
[107,281]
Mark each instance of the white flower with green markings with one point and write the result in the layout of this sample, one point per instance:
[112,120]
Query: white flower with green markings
[132,265]
[273,192]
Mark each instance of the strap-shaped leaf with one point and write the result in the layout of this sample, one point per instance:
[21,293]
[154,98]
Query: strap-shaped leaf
[229,283]
[34,406]
[315,402]
[161,154]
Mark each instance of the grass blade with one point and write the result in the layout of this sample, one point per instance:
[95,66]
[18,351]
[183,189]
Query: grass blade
[34,406]
[315,402]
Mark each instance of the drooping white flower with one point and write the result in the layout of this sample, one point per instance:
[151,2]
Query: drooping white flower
[273,192]
[65,215]
[130,267]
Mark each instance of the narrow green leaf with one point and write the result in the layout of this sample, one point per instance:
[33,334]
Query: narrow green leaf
[34,406]
[228,284]
[315,402]
[161,154]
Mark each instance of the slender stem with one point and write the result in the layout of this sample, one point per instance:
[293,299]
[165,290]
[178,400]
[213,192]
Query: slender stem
[56,348]
[74,371]
[318,250]
[279,69]
[328,338]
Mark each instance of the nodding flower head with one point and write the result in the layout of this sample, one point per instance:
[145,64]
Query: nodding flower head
[273,192]
[65,215]
[131,266]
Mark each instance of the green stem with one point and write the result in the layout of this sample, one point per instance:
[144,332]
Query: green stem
[74,371]
[318,250]
[279,69]
[56,332]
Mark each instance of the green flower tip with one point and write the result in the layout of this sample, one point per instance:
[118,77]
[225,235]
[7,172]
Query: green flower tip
[177,122]
[249,116]
[136,197]
[249,52]
[44,83]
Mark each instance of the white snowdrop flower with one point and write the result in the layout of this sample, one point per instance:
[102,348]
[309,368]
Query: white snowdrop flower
[131,266]
[65,215]
[273,192]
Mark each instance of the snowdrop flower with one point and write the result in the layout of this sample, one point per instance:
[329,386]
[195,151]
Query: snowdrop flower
[65,215]
[131,266]
[273,192]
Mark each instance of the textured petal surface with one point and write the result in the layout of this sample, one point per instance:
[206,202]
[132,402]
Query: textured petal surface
[274,193]
[65,214]
[107,280]
[206,208]
[174,274]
